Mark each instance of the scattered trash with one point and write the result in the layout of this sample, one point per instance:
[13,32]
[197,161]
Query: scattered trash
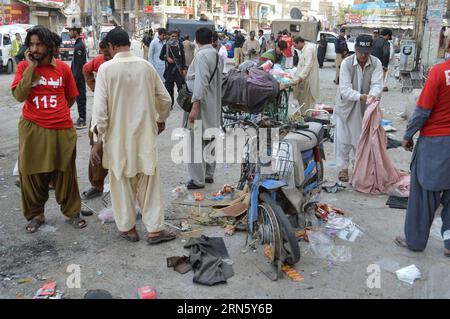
[397,202]
[314,274]
[303,234]
[106,215]
[325,211]
[408,274]
[179,191]
[98,294]
[180,264]
[393,143]
[46,228]
[322,246]
[345,228]
[147,292]
[48,291]
[27,280]
[230,229]
[198,196]
[185,226]
[292,273]
[99,273]
[333,188]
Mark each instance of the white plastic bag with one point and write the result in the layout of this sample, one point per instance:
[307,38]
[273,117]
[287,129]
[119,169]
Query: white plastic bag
[106,215]
[408,274]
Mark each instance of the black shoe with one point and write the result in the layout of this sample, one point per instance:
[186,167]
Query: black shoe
[80,124]
[385,89]
[209,180]
[192,185]
[336,82]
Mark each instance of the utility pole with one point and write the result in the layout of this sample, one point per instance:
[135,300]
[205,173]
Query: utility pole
[122,4]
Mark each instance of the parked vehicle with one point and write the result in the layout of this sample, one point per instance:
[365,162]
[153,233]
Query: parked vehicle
[282,188]
[67,45]
[188,26]
[331,38]
[7,35]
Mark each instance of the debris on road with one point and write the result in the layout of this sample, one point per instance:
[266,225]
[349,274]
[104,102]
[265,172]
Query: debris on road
[147,292]
[323,247]
[98,294]
[408,274]
[48,291]
[106,215]
[292,273]
[333,187]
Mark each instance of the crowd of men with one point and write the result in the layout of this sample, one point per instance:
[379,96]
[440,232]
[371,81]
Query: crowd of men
[127,149]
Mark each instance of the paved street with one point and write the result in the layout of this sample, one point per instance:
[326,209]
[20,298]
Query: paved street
[108,262]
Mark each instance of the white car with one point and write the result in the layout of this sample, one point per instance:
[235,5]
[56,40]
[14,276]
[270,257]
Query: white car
[331,38]
[7,35]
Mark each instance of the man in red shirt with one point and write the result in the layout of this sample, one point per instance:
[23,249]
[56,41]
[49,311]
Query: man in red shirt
[97,173]
[47,138]
[430,166]
[289,52]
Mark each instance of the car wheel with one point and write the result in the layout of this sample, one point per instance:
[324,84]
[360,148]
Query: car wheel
[10,67]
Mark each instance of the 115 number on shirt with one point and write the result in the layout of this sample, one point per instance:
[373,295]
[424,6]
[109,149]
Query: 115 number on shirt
[45,101]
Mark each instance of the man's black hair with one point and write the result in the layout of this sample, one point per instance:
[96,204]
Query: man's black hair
[103,44]
[174,31]
[261,31]
[161,31]
[118,37]
[187,37]
[298,39]
[285,32]
[215,36]
[282,45]
[57,39]
[203,36]
[45,37]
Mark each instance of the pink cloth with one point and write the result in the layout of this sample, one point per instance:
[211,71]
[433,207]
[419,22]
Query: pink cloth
[374,171]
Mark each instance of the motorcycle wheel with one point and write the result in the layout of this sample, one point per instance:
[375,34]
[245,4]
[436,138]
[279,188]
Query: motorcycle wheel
[287,249]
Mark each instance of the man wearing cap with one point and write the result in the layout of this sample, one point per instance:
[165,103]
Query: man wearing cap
[430,165]
[79,60]
[376,34]
[307,89]
[382,49]
[361,77]
[341,50]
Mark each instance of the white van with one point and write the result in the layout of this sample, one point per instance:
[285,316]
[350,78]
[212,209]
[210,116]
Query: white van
[7,35]
[331,38]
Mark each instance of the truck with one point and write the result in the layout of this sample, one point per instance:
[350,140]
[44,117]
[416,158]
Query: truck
[306,29]
[189,27]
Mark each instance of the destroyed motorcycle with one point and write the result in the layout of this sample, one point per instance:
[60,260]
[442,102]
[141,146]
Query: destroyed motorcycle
[283,175]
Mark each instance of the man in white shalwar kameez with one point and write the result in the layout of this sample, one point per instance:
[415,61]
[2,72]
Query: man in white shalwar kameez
[131,105]
[154,53]
[361,78]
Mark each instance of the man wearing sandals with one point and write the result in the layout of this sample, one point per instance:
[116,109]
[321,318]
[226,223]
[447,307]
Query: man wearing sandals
[430,165]
[131,105]
[97,173]
[361,77]
[47,137]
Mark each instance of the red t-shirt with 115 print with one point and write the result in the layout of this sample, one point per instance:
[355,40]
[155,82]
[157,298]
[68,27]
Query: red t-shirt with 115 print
[47,104]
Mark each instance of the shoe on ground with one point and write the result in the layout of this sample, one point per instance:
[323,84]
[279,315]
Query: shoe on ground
[385,89]
[80,124]
[209,180]
[192,185]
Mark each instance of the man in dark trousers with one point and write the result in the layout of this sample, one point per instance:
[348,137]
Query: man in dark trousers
[173,53]
[341,50]
[382,49]
[79,60]
[430,165]
[238,44]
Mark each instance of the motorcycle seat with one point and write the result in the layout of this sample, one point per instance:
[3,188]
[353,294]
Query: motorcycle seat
[306,139]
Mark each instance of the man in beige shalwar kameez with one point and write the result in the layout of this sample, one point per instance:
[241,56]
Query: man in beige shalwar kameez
[131,105]
[307,89]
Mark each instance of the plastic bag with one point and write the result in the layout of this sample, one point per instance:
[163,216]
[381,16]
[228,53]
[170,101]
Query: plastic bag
[106,215]
[408,274]
[323,247]
[179,191]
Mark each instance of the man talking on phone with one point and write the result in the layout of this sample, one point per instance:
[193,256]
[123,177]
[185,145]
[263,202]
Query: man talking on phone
[47,138]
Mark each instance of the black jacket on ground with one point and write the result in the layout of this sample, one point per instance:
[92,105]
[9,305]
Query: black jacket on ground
[79,60]
[382,50]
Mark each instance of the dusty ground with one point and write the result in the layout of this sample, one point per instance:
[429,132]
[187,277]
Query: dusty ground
[107,262]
